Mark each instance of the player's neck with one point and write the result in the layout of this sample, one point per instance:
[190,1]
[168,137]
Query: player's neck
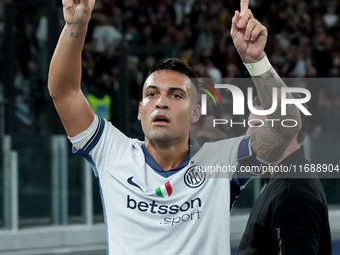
[168,157]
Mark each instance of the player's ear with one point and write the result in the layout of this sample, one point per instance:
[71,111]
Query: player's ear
[139,110]
[195,113]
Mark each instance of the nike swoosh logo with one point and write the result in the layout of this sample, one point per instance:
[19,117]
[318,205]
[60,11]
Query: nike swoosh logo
[130,181]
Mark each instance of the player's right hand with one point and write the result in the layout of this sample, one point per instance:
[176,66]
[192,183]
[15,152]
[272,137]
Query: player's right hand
[77,13]
[248,34]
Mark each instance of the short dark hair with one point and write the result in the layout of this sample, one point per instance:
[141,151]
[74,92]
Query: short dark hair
[302,132]
[173,64]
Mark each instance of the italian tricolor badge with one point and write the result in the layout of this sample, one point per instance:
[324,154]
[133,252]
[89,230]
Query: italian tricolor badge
[165,190]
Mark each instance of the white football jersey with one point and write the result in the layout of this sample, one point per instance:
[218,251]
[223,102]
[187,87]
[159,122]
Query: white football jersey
[151,211]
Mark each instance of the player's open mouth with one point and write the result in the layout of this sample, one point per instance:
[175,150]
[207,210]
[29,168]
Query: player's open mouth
[161,119]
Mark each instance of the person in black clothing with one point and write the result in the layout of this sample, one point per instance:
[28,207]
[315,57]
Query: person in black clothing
[290,216]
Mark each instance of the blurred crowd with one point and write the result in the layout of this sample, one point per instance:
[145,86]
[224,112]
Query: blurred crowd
[304,42]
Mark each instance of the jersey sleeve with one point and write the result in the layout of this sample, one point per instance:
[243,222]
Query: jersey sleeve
[248,167]
[101,145]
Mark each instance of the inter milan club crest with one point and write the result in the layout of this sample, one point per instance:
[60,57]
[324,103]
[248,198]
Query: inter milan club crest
[164,191]
[194,178]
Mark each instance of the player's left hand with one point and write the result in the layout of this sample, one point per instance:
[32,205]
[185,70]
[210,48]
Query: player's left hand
[248,34]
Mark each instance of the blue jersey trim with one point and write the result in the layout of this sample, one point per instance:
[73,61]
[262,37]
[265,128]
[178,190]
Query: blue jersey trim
[154,165]
[244,149]
[85,151]
[194,148]
[95,138]
[88,158]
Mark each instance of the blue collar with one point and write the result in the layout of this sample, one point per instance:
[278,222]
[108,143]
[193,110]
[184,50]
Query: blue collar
[194,147]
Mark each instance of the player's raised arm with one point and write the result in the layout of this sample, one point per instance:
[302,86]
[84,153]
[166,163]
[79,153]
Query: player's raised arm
[65,68]
[250,36]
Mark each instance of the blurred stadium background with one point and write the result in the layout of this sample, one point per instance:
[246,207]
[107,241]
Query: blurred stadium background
[49,201]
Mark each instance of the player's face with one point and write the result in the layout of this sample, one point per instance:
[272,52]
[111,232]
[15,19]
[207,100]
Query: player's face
[166,109]
[255,121]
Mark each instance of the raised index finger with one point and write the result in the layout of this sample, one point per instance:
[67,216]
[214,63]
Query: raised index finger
[244,5]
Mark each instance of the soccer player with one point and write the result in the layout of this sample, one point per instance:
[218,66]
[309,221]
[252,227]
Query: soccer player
[155,200]
[290,216]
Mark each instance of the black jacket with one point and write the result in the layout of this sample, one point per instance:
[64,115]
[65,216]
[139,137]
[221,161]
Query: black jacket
[290,216]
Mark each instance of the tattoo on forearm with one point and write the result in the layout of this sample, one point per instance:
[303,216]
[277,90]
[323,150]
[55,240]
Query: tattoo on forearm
[269,142]
[74,35]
